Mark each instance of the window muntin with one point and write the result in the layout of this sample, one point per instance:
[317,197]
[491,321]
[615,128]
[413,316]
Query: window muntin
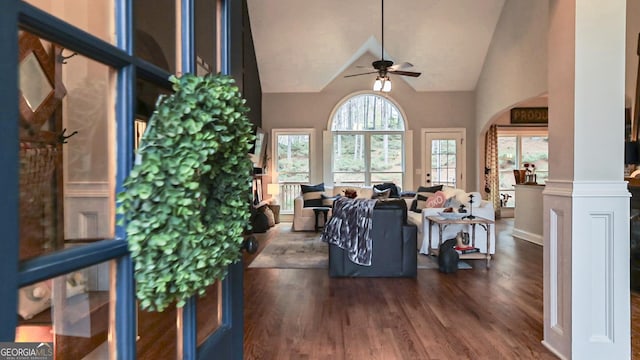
[368,141]
[93,16]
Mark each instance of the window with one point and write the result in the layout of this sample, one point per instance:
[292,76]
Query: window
[368,141]
[292,163]
[514,150]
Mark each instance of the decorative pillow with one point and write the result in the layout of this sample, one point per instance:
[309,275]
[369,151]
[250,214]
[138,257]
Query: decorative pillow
[328,200]
[420,201]
[312,194]
[381,194]
[394,192]
[430,189]
[437,200]
[450,192]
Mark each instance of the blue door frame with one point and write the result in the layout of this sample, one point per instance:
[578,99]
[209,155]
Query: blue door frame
[226,342]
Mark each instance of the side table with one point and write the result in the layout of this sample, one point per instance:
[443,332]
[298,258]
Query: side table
[442,223]
[276,212]
[320,210]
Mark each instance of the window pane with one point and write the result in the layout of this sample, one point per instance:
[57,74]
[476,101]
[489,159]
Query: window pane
[348,178]
[507,156]
[508,198]
[71,311]
[292,158]
[535,150]
[348,153]
[66,189]
[386,153]
[378,178]
[93,16]
[367,112]
[443,162]
[207,36]
[155,24]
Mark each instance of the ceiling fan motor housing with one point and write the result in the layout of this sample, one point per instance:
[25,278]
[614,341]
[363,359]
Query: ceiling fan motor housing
[382,64]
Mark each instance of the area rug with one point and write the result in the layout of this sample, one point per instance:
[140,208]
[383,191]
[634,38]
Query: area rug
[305,250]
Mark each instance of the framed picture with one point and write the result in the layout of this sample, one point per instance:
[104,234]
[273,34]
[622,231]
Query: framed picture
[259,149]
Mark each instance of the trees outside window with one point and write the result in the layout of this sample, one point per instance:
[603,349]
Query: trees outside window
[292,163]
[368,141]
[516,149]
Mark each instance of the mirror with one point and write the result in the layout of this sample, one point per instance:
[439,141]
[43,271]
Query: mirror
[34,84]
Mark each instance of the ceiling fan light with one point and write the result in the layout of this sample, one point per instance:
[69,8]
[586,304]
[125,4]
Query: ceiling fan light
[377,86]
[386,87]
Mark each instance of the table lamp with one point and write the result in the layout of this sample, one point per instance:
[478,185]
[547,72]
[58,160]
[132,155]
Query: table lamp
[274,190]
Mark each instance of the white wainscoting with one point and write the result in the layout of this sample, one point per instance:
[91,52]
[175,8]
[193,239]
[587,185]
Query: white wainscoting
[586,268]
[88,213]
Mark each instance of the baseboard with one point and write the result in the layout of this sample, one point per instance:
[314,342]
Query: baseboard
[553,350]
[527,236]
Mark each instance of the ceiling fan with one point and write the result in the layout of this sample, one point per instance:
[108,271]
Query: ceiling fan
[385,67]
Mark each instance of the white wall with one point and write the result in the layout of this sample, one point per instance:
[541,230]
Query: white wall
[423,110]
[516,65]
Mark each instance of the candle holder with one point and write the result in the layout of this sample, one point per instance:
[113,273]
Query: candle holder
[470,216]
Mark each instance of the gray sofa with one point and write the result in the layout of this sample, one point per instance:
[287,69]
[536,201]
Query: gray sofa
[393,246]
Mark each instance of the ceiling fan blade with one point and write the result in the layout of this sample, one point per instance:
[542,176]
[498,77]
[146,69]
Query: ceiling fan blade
[370,72]
[403,65]
[406,73]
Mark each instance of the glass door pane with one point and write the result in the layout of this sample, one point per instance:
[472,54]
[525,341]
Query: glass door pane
[444,158]
[95,17]
[73,312]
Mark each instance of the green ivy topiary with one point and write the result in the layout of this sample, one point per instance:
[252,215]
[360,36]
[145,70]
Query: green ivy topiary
[186,203]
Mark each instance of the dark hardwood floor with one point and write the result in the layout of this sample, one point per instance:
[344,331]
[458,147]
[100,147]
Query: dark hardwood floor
[473,314]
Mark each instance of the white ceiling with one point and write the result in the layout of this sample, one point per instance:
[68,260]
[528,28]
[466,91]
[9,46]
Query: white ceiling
[303,45]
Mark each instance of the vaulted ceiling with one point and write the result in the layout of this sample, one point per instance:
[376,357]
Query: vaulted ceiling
[303,45]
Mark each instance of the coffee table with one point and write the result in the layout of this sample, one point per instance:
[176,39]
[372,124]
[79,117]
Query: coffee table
[476,220]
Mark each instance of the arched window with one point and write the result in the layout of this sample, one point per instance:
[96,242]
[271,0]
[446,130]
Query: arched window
[368,141]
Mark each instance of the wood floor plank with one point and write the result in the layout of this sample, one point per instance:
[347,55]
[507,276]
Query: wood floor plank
[472,314]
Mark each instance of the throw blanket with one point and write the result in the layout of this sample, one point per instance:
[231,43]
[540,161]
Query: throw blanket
[350,227]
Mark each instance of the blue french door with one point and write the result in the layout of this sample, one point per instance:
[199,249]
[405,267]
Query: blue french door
[72,47]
